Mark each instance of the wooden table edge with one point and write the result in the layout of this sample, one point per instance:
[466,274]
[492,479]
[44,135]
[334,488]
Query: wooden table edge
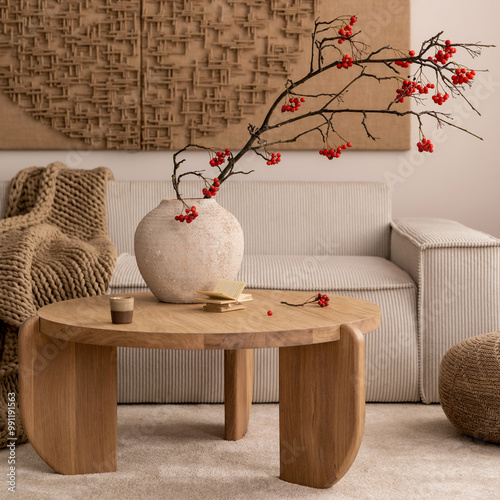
[206,341]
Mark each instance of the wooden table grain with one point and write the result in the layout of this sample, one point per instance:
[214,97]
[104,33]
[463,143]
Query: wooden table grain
[68,375]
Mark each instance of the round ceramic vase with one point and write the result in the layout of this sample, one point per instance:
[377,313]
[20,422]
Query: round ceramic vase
[176,258]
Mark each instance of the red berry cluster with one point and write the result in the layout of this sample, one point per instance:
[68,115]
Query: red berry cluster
[442,56]
[334,153]
[405,64]
[346,31]
[410,87]
[190,216]
[275,159]
[463,76]
[347,61]
[425,145]
[212,190]
[219,158]
[293,106]
[322,300]
[440,99]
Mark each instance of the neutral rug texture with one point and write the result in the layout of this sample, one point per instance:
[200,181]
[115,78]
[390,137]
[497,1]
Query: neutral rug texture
[409,451]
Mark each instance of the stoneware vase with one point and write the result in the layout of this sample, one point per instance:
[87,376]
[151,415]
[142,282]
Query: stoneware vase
[176,258]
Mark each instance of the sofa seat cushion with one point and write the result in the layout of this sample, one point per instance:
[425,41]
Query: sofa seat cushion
[127,278]
[322,273]
[291,272]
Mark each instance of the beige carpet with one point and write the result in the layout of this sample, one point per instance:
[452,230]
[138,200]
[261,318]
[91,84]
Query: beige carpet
[409,451]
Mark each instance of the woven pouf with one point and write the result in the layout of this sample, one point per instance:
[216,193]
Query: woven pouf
[469,386]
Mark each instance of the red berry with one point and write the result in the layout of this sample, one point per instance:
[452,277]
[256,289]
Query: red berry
[269,313]
[425,145]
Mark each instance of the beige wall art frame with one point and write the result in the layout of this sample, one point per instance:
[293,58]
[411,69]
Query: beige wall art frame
[158,74]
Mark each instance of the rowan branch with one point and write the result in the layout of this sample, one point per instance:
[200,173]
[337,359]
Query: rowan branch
[331,43]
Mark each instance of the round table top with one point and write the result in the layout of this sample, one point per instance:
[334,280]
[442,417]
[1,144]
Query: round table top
[187,326]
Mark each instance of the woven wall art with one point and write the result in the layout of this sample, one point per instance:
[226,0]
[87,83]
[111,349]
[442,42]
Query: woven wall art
[156,74]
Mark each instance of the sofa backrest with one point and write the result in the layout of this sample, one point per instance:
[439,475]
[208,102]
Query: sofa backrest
[278,217]
[281,218]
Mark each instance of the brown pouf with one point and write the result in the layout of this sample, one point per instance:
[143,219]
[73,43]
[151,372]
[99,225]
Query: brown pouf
[469,386]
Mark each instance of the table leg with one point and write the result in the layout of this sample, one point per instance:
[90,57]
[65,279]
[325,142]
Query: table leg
[322,409]
[68,401]
[238,390]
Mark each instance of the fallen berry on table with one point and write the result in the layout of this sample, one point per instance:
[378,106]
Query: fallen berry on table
[269,313]
[321,298]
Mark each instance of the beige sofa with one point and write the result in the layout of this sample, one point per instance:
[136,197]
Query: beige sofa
[436,281]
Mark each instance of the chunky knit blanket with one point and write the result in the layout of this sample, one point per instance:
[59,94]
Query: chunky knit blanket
[54,246]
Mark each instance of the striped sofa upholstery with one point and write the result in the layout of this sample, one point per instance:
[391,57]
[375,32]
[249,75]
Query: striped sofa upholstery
[457,271]
[436,282]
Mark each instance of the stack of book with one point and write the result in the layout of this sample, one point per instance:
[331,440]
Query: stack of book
[226,296]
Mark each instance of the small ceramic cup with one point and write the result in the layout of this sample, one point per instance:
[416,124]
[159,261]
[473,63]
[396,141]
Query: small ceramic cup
[122,309]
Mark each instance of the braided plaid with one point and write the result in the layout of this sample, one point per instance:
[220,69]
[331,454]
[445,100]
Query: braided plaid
[54,246]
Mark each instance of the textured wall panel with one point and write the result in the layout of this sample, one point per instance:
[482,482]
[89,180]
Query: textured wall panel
[73,66]
[156,74]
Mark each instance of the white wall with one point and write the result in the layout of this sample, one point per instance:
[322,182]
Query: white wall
[460,180]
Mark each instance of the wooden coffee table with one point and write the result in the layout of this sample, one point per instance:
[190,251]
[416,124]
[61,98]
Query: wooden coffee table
[68,375]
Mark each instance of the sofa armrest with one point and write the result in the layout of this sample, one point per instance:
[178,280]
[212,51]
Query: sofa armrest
[441,233]
[457,271]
